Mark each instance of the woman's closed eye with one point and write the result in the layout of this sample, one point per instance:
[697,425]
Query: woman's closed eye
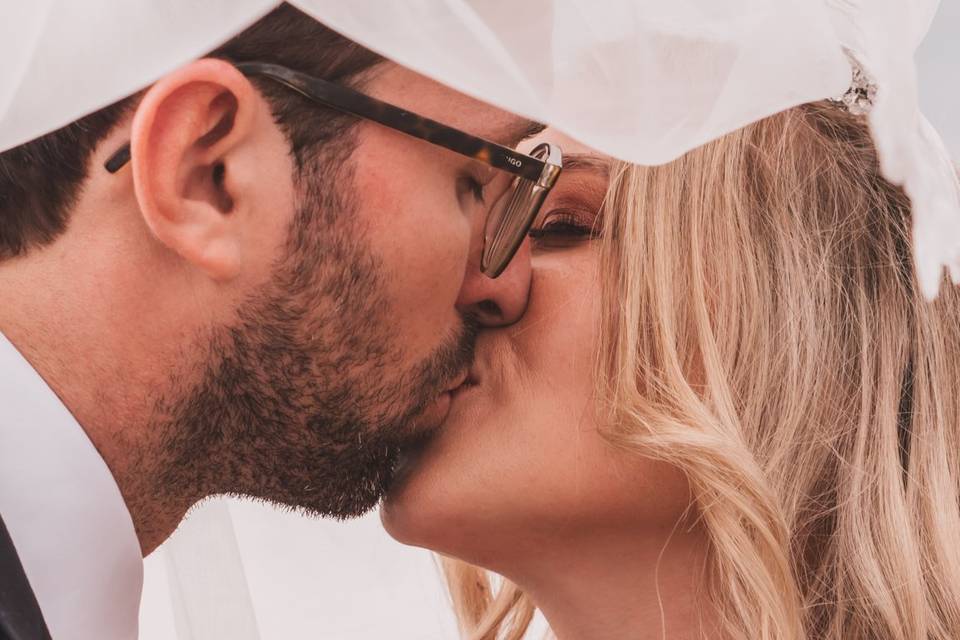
[564,227]
[571,214]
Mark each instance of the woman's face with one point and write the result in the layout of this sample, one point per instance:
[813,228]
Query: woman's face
[520,458]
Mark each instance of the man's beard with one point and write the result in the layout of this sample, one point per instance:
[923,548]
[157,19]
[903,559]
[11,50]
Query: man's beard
[304,401]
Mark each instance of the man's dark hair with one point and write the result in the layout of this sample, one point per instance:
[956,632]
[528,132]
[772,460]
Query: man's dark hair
[40,180]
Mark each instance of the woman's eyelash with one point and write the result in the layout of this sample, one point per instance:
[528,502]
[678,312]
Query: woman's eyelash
[565,225]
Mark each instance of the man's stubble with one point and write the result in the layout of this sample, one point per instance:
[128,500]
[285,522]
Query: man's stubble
[305,400]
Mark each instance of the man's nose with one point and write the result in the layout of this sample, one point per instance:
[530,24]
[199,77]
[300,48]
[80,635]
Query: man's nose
[501,301]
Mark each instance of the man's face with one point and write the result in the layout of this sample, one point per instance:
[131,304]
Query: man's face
[345,356]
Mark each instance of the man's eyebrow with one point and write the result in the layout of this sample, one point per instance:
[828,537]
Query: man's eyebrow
[516,132]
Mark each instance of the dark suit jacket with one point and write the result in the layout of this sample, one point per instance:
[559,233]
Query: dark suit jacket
[20,617]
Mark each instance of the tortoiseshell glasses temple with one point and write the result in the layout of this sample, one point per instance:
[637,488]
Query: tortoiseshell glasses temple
[510,217]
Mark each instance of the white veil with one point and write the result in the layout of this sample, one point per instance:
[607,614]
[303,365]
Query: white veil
[641,80]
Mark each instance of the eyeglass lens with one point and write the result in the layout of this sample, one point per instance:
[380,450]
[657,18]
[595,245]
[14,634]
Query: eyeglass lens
[510,218]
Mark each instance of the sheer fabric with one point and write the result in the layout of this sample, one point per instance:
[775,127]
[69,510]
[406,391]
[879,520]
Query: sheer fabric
[641,80]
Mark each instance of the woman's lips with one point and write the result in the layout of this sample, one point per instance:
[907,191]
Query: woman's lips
[459,381]
[459,391]
[438,413]
[469,381]
[411,453]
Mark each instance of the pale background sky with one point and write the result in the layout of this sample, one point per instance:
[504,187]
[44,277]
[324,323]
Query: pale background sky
[939,70]
[316,579]
[350,581]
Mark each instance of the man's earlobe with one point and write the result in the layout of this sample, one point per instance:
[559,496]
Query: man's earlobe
[185,133]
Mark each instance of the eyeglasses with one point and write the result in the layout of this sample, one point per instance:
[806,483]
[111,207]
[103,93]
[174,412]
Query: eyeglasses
[529,180]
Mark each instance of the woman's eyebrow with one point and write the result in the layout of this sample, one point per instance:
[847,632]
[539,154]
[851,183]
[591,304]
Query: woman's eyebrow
[515,132]
[591,162]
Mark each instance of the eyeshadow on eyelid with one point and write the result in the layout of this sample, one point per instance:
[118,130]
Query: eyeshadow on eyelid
[583,172]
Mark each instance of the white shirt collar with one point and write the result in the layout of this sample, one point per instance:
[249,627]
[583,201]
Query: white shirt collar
[64,512]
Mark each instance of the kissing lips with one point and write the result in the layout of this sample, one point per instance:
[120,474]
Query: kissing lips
[458,382]
[410,453]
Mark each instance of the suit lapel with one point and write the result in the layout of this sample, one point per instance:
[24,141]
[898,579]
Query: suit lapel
[20,616]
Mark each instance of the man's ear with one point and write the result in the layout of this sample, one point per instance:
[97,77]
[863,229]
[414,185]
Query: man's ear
[184,133]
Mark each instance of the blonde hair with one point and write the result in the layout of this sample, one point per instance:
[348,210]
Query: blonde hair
[763,331]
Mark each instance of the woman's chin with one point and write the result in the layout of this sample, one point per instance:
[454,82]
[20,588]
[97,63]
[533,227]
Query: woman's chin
[393,518]
[431,494]
[407,508]
[413,517]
